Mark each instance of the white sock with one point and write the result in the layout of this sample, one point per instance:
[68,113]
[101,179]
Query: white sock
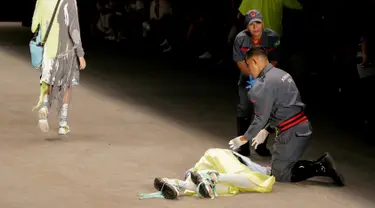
[45,101]
[238,180]
[188,185]
[63,115]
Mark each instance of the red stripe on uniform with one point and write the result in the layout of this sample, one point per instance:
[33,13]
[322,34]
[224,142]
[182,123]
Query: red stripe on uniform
[291,119]
[244,49]
[301,120]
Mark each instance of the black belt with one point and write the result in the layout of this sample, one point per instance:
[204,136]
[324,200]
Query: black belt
[293,121]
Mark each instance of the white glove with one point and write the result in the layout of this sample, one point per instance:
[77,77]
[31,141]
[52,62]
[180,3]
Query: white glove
[236,143]
[259,138]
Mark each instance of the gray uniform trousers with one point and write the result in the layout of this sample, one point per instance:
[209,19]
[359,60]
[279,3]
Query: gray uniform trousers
[288,148]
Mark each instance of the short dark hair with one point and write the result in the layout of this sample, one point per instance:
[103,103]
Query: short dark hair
[256,51]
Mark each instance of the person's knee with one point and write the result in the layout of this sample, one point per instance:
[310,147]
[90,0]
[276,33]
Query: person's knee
[282,171]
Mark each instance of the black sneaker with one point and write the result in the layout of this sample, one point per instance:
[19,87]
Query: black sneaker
[328,162]
[167,188]
[204,183]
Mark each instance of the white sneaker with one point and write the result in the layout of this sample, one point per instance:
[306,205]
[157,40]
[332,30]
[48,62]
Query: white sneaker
[64,130]
[164,43]
[111,37]
[167,49]
[206,55]
[43,119]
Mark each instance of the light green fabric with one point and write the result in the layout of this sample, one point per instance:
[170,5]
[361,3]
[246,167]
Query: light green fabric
[42,16]
[272,11]
[223,161]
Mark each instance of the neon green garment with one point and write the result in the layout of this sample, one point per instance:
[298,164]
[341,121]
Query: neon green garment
[223,161]
[42,16]
[272,11]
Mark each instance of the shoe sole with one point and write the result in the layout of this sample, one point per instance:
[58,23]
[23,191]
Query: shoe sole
[338,177]
[197,179]
[168,191]
[43,125]
[43,122]
[65,133]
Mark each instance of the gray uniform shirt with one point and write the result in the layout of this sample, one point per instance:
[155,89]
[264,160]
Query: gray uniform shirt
[270,41]
[275,97]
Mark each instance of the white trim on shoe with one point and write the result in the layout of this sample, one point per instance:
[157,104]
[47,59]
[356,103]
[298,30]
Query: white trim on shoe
[164,43]
[43,121]
[64,130]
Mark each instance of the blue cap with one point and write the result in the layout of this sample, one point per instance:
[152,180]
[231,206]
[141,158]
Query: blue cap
[253,16]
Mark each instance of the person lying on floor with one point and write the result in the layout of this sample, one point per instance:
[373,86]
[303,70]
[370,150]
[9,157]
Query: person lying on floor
[219,172]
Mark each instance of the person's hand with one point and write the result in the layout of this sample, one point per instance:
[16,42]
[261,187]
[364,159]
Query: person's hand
[259,138]
[82,63]
[237,142]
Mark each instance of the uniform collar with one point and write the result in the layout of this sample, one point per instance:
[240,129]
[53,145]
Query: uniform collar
[263,40]
[252,80]
[265,70]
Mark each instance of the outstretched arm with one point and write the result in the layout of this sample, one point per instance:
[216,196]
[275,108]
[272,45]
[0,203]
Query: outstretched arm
[263,100]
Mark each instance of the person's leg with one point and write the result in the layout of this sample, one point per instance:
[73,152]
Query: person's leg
[286,164]
[237,179]
[206,182]
[44,108]
[252,165]
[173,188]
[165,24]
[324,166]
[288,148]
[45,81]
[63,121]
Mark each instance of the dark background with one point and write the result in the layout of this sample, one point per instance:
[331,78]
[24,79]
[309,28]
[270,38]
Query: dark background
[324,29]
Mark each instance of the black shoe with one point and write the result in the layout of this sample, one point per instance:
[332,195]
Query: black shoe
[331,171]
[167,189]
[324,166]
[205,189]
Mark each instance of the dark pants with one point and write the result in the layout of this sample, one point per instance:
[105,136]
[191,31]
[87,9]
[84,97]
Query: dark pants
[244,107]
[216,38]
[162,28]
[288,148]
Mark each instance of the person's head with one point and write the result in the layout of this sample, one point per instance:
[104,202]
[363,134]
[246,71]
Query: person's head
[256,59]
[254,22]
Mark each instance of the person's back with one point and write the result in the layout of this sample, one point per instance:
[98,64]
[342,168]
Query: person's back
[41,20]
[288,100]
